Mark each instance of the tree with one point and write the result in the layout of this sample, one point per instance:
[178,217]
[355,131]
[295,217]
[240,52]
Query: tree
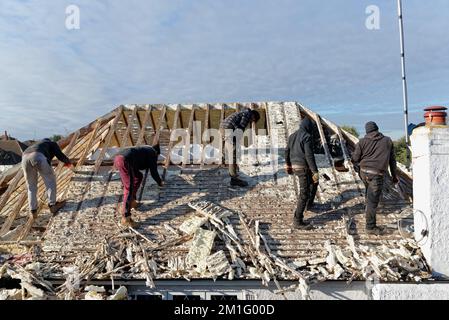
[56,137]
[352,130]
[400,151]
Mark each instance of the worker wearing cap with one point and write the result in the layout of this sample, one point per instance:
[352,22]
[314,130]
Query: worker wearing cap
[37,159]
[300,160]
[373,155]
[129,162]
[228,128]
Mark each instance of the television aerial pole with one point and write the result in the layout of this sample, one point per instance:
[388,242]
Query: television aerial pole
[404,78]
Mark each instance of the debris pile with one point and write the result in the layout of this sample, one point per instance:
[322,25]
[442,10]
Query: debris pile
[131,255]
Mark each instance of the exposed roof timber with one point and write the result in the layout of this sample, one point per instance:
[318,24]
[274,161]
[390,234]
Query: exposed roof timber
[141,138]
[139,128]
[207,138]
[111,132]
[160,125]
[170,145]
[127,133]
[12,215]
[317,120]
[88,146]
[12,186]
[189,133]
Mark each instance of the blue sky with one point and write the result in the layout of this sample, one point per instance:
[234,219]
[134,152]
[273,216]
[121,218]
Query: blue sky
[54,80]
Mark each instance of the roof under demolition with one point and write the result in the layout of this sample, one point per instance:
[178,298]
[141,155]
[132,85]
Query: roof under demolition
[196,226]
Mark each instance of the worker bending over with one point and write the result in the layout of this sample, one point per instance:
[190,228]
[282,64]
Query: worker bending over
[372,155]
[300,160]
[37,159]
[236,121]
[129,162]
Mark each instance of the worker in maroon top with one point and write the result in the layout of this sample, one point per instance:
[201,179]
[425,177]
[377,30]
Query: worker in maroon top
[129,162]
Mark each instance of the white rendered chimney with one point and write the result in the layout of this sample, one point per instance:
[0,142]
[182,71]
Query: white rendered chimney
[430,153]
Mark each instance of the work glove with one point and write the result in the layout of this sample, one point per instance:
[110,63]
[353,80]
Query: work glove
[289,169]
[316,177]
[69,166]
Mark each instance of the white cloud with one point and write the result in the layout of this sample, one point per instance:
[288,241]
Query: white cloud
[54,80]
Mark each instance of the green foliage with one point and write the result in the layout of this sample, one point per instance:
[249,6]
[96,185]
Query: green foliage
[352,130]
[400,150]
[56,137]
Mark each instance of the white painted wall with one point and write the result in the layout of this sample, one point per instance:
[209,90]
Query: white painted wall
[430,152]
[408,291]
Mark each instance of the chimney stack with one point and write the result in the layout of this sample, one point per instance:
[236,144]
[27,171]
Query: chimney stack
[435,116]
[430,155]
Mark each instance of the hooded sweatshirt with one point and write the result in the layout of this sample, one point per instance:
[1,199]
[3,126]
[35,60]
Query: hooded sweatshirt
[49,149]
[237,120]
[375,151]
[142,158]
[300,147]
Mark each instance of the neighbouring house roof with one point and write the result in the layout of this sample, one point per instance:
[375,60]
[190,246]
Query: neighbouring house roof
[196,217]
[11,152]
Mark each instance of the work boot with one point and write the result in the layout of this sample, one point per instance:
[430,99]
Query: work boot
[34,213]
[301,225]
[135,204]
[237,182]
[56,207]
[375,231]
[128,222]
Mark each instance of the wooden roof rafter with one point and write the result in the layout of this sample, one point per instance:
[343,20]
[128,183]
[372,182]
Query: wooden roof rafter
[186,154]
[127,134]
[147,118]
[176,120]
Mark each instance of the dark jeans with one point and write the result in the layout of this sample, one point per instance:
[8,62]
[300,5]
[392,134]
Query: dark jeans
[307,192]
[131,180]
[373,192]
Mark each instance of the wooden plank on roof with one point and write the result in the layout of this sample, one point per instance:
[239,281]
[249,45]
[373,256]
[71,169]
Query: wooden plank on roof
[206,136]
[88,146]
[317,119]
[348,161]
[12,186]
[108,139]
[127,133]
[189,133]
[139,126]
[12,216]
[160,125]
[146,118]
[170,145]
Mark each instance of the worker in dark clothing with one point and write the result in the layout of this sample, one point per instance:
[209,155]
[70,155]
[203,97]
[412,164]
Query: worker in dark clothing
[129,162]
[300,160]
[228,128]
[373,155]
[37,159]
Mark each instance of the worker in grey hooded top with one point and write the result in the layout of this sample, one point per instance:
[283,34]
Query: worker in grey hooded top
[373,154]
[36,160]
[300,160]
